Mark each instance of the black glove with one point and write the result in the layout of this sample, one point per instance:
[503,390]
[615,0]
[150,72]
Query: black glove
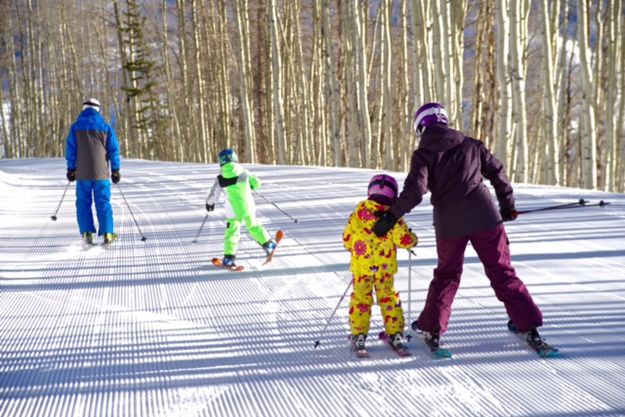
[210,207]
[508,214]
[115,176]
[71,175]
[385,223]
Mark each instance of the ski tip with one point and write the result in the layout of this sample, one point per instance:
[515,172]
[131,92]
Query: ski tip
[442,353]
[550,353]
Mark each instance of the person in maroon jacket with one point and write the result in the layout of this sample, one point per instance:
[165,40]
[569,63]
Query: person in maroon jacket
[451,166]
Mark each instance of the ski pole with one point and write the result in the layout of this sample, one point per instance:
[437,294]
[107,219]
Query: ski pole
[578,204]
[201,227]
[53,217]
[275,205]
[410,252]
[318,341]
[143,238]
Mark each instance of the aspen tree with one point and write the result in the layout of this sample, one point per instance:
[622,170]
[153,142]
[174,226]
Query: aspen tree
[614,50]
[360,66]
[243,65]
[587,126]
[404,90]
[177,138]
[518,36]
[276,88]
[331,88]
[550,121]
[505,86]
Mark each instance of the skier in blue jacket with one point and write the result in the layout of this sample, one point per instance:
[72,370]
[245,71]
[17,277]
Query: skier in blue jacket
[91,149]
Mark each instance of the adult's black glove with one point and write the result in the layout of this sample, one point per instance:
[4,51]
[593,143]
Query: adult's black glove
[385,223]
[210,207]
[116,176]
[508,214]
[71,175]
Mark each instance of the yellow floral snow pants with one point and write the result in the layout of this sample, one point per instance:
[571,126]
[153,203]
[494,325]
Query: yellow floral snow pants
[388,300]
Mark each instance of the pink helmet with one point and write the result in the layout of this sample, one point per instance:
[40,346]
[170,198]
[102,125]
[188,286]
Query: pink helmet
[429,114]
[383,189]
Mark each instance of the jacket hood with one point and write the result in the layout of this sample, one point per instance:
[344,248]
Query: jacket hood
[231,170]
[89,113]
[439,138]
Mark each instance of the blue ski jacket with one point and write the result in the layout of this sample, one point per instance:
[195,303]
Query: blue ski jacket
[91,144]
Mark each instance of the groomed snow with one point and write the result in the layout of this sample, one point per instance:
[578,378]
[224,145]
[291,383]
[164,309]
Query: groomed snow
[150,328]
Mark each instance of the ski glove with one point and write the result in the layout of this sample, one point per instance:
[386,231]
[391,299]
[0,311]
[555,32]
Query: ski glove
[71,175]
[210,207]
[385,223]
[116,176]
[508,214]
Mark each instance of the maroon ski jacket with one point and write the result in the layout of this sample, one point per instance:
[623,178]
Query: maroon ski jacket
[451,166]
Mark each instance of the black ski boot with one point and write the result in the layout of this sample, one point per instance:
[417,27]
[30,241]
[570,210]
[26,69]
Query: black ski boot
[358,345]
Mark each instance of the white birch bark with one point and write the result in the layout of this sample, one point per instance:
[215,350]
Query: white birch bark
[276,88]
[360,65]
[588,126]
[331,88]
[518,36]
[243,65]
[550,121]
[505,86]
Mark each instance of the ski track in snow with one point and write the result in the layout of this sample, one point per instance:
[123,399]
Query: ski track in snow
[152,329]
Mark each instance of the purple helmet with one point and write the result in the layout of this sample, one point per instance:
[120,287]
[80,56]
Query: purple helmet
[382,189]
[429,114]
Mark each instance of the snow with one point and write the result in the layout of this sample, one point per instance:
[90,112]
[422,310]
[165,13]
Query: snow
[152,329]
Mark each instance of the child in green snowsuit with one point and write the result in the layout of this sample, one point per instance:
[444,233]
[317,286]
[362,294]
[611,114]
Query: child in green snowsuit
[237,183]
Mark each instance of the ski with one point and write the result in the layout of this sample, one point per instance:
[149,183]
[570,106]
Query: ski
[277,239]
[403,352]
[545,350]
[217,262]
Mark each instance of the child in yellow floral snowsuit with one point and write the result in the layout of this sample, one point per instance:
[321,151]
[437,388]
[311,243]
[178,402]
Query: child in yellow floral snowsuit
[374,263]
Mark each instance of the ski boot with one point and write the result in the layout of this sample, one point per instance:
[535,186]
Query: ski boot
[432,341]
[228,261]
[535,341]
[87,237]
[358,345]
[396,342]
[109,238]
[269,247]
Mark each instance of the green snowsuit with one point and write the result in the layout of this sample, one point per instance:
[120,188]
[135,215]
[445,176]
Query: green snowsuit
[238,183]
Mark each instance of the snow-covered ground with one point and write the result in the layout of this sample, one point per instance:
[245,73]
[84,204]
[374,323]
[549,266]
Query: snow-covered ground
[150,328]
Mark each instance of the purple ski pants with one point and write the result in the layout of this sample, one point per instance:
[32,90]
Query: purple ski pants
[492,249]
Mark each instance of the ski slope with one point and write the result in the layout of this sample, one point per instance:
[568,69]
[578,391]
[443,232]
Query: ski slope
[150,328]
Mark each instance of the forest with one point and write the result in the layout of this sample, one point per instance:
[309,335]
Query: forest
[323,82]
